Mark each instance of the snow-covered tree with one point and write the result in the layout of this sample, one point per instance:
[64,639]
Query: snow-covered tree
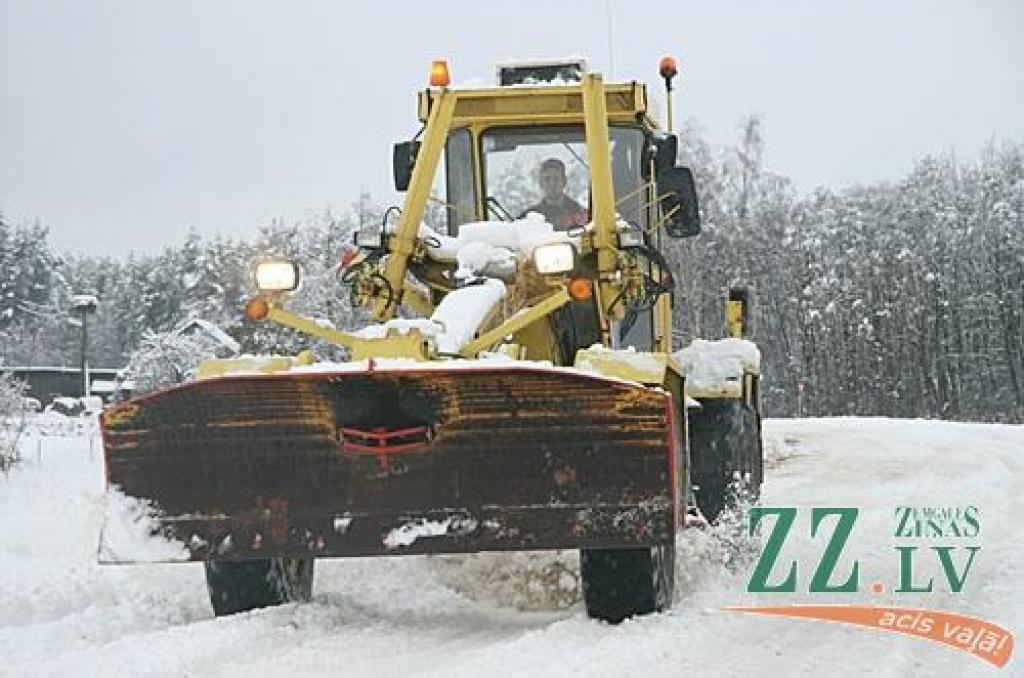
[167,358]
[902,299]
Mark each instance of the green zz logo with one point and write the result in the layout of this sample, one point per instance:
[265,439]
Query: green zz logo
[784,519]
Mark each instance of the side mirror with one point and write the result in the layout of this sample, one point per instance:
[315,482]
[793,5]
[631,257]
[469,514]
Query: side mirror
[402,161]
[677,195]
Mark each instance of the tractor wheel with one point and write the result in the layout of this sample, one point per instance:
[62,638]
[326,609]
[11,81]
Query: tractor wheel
[725,454]
[622,583]
[240,586]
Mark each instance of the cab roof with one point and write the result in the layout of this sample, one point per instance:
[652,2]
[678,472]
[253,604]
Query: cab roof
[539,104]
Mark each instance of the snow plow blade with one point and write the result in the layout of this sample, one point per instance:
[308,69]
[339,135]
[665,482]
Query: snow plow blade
[395,462]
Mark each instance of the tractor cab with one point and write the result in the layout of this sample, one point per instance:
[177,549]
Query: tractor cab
[500,138]
[582,155]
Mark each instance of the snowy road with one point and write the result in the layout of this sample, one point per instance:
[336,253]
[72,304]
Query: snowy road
[62,614]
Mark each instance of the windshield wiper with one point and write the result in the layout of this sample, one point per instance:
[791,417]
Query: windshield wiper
[495,206]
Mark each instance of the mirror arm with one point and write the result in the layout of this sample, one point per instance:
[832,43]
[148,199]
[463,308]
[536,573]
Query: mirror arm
[666,218]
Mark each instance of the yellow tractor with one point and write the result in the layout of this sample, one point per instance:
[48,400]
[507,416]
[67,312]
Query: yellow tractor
[518,391]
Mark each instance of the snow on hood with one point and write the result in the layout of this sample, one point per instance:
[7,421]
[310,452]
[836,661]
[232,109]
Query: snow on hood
[424,326]
[718,365]
[462,312]
[641,361]
[454,322]
[518,237]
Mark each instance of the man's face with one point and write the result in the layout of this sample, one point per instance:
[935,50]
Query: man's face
[552,182]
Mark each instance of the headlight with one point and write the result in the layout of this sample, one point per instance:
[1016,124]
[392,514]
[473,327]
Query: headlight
[368,238]
[555,258]
[277,276]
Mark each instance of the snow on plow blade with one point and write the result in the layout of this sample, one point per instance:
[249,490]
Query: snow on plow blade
[393,462]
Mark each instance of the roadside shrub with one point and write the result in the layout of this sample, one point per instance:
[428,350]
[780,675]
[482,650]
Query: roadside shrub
[14,409]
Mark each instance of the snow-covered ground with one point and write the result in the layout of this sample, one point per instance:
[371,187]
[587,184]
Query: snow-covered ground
[61,614]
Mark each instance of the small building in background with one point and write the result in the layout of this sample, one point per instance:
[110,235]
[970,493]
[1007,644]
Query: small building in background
[45,383]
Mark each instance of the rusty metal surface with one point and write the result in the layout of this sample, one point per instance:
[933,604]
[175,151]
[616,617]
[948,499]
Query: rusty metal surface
[512,459]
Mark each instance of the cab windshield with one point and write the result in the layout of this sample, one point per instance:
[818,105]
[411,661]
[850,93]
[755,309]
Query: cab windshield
[546,170]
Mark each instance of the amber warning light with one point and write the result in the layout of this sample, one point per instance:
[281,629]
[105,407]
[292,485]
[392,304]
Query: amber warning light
[439,75]
[580,289]
[667,67]
[257,309]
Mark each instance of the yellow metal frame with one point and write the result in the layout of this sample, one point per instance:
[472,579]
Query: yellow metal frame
[595,119]
[624,102]
[404,242]
[520,320]
[411,344]
[219,367]
[734,319]
[651,369]
[594,104]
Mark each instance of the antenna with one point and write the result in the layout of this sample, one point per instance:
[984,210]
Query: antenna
[608,21]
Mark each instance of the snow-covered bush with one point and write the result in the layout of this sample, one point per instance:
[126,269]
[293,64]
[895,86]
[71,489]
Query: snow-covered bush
[13,418]
[167,358]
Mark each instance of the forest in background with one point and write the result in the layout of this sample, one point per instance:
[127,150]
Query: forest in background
[902,299]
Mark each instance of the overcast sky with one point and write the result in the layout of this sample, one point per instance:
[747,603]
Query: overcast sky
[125,124]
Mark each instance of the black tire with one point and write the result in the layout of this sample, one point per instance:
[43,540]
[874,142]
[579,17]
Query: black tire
[623,583]
[240,586]
[725,454]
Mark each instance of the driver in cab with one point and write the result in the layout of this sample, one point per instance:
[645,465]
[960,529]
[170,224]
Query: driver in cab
[559,209]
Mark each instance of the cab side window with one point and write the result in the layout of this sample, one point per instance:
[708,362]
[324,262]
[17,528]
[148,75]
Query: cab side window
[461,189]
